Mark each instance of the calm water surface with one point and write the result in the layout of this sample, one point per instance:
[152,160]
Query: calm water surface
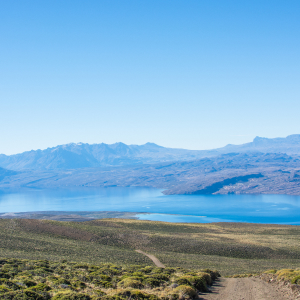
[278,209]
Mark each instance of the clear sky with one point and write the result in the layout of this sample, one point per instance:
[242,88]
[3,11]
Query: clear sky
[194,74]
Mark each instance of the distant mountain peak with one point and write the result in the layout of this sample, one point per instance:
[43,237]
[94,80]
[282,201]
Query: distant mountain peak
[153,145]
[259,140]
[83,155]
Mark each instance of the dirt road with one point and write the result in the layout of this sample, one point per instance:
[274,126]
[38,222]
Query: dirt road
[245,289]
[153,258]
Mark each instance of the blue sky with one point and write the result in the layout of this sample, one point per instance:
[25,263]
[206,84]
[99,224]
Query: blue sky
[187,74]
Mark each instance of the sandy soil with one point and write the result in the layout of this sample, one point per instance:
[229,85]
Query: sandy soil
[246,289]
[153,258]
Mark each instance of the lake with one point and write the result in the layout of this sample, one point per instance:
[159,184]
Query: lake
[275,209]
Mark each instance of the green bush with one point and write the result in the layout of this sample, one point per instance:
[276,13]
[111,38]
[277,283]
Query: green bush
[99,292]
[4,275]
[29,283]
[146,270]
[23,295]
[184,280]
[13,286]
[129,282]
[185,292]
[213,274]
[296,280]
[169,270]
[3,289]
[71,296]
[42,287]
[270,272]
[152,282]
[138,295]
[103,283]
[115,297]
[78,284]
[206,276]
[199,283]
[160,277]
[81,266]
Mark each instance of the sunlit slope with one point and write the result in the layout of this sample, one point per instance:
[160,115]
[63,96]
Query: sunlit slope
[229,247]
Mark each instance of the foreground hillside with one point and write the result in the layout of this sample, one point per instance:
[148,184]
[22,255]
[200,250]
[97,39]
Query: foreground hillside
[43,280]
[231,248]
[62,280]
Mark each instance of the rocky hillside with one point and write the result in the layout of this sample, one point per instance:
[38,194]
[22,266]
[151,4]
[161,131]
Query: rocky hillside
[257,173]
[78,156]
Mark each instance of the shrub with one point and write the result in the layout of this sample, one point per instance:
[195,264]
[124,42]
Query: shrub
[99,293]
[284,271]
[296,280]
[13,296]
[184,280]
[23,295]
[129,282]
[152,282]
[13,286]
[105,277]
[138,295]
[71,296]
[81,266]
[103,283]
[138,274]
[185,292]
[115,297]
[29,283]
[3,280]
[271,271]
[146,270]
[160,277]
[58,280]
[42,287]
[4,275]
[169,270]
[3,289]
[199,283]
[33,295]
[158,270]
[213,274]
[171,296]
[286,274]
[206,276]
[78,284]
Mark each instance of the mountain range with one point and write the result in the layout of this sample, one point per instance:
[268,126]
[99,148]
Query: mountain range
[263,166]
[255,172]
[81,155]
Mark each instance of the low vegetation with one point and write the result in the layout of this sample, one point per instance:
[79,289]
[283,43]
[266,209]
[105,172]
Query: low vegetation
[231,248]
[286,274]
[43,280]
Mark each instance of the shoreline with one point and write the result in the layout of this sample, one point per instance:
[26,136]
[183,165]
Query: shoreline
[83,216]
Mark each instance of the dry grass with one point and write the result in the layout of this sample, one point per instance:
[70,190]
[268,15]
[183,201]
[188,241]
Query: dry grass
[232,248]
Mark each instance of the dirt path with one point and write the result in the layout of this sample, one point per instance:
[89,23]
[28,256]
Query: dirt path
[245,289]
[153,258]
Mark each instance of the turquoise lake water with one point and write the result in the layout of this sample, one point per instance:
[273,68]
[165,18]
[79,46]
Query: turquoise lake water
[276,209]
